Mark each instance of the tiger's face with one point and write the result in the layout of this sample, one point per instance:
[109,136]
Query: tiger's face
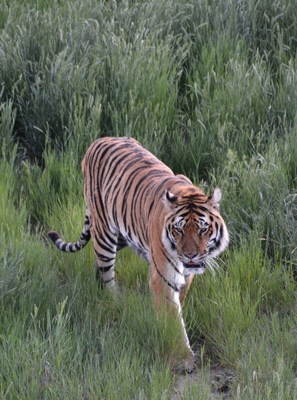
[195,229]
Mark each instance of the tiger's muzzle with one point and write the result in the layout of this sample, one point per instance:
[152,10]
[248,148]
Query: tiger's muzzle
[194,268]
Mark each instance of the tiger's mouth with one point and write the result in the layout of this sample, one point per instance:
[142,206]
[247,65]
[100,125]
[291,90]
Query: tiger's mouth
[192,268]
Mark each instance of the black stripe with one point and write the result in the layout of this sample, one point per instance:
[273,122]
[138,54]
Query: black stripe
[105,236]
[85,236]
[100,244]
[109,280]
[111,239]
[104,258]
[104,269]
[129,181]
[206,210]
[100,205]
[221,231]
[161,186]
[97,152]
[111,175]
[95,158]
[151,207]
[118,151]
[139,194]
[168,259]
[163,277]
[173,245]
[114,207]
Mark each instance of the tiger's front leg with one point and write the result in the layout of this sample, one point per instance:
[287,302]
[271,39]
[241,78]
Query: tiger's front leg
[184,290]
[165,293]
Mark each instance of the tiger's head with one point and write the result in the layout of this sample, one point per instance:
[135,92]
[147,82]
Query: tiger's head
[194,229]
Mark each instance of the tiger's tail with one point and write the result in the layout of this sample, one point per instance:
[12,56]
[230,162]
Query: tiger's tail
[69,247]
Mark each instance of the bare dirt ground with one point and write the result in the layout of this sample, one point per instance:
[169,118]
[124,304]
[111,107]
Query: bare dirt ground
[219,377]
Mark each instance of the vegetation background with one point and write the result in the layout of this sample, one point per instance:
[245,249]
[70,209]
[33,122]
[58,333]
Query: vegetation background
[210,87]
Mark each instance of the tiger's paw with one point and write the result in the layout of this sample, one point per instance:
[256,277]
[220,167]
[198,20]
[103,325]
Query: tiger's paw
[186,365]
[189,365]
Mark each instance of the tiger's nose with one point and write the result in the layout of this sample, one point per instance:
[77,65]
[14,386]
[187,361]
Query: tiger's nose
[190,255]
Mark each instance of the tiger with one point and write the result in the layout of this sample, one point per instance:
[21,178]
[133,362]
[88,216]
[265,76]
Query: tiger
[133,199]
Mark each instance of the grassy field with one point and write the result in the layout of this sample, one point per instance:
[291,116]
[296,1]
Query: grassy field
[211,89]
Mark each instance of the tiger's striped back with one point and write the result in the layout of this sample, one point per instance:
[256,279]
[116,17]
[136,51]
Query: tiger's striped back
[123,182]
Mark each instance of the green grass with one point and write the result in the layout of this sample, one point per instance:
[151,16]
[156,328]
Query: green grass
[210,88]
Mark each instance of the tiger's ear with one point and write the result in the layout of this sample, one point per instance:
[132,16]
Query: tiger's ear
[215,198]
[169,199]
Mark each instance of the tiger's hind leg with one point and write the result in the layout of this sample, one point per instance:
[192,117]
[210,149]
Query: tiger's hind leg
[105,275]
[105,246]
